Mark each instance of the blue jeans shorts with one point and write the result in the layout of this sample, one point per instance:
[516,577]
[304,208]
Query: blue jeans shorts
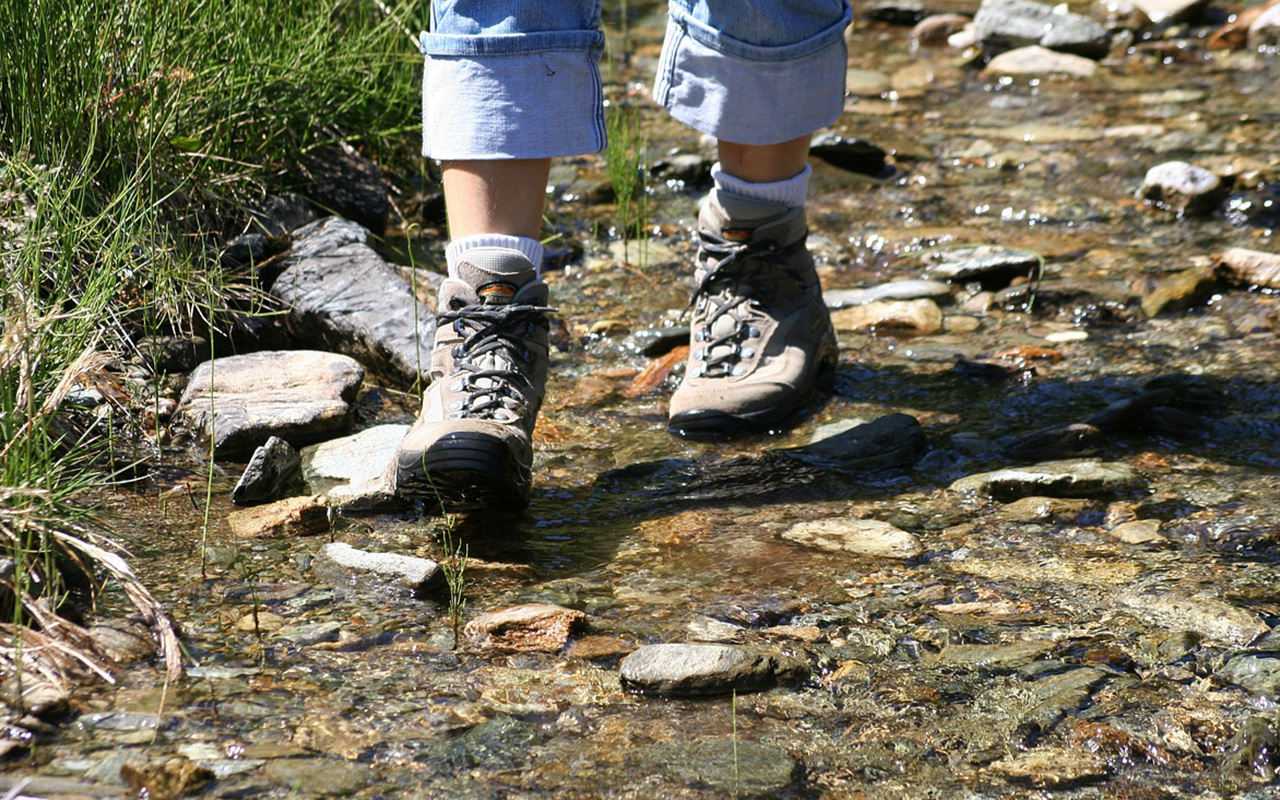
[521,78]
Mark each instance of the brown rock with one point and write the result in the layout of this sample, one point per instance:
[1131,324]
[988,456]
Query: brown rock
[1251,268]
[1178,291]
[933,30]
[295,516]
[167,780]
[535,627]
[600,647]
[902,316]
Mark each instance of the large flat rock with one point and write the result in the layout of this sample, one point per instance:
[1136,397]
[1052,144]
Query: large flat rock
[355,471]
[1079,477]
[236,403]
[344,296]
[691,670]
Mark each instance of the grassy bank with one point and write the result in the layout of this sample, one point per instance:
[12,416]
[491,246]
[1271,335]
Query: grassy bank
[134,137]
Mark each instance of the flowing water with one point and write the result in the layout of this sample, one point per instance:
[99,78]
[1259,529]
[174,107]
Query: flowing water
[1030,649]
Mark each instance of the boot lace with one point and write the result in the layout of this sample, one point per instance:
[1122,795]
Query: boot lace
[492,365]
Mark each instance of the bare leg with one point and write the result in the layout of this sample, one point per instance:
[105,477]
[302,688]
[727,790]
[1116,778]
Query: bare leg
[764,163]
[499,196]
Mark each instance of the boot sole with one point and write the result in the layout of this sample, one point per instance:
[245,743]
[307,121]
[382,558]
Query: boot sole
[467,470]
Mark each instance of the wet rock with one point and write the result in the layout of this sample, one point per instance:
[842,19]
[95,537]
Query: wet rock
[707,629]
[1182,187]
[935,29]
[317,776]
[894,440]
[343,295]
[1007,24]
[847,152]
[311,634]
[1139,531]
[341,181]
[35,695]
[690,169]
[1202,614]
[124,640]
[920,317]
[1253,753]
[1259,674]
[355,471]
[1057,441]
[690,670]
[980,262]
[1035,61]
[1068,478]
[894,290]
[864,537]
[990,657]
[1264,32]
[295,516]
[1253,269]
[533,627]
[737,768]
[297,395]
[1128,412]
[271,469]
[1052,698]
[1043,509]
[1177,291]
[1052,767]
[345,566]
[169,779]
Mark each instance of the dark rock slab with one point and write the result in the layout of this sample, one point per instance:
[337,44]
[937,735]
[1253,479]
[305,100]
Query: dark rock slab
[849,152]
[894,12]
[894,440]
[345,566]
[990,657]
[343,182]
[236,403]
[1007,24]
[1066,478]
[1057,441]
[271,469]
[1182,187]
[695,670]
[343,295]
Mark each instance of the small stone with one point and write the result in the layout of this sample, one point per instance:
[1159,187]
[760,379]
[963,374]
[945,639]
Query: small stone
[1178,291]
[271,469]
[961,324]
[1264,33]
[1250,268]
[1182,187]
[313,633]
[991,657]
[343,565]
[38,696]
[864,537]
[1258,674]
[693,670]
[935,29]
[295,516]
[297,395]
[1035,61]
[894,440]
[355,471]
[1203,614]
[1138,531]
[533,627]
[166,780]
[1043,509]
[592,648]
[1052,767]
[894,290]
[1068,478]
[125,641]
[866,82]
[921,317]
[1061,337]
[967,263]
[263,621]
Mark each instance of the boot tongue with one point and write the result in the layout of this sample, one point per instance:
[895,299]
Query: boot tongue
[495,273]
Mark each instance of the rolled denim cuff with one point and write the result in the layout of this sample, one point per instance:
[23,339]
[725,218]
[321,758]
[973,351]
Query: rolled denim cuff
[751,94]
[533,95]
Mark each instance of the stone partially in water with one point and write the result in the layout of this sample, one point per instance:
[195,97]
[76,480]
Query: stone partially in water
[980,261]
[124,640]
[1250,268]
[1160,11]
[1211,618]
[1177,291]
[992,657]
[864,537]
[342,294]
[297,395]
[1052,767]
[894,290]
[271,469]
[1068,478]
[846,152]
[693,670]
[738,768]
[1182,187]
[343,565]
[1057,441]
[1139,531]
[1006,24]
[321,777]
[1258,674]
[532,627]
[295,516]
[920,317]
[935,29]
[354,471]
[894,440]
[1036,61]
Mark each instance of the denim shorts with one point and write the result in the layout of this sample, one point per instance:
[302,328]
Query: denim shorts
[521,78]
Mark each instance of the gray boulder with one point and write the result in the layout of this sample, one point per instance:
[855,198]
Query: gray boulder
[692,670]
[1008,24]
[345,296]
[271,469]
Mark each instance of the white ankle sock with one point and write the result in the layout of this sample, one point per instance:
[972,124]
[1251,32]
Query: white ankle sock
[790,193]
[531,248]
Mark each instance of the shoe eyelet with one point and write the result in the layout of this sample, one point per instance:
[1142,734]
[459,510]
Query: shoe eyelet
[738,371]
[747,352]
[456,405]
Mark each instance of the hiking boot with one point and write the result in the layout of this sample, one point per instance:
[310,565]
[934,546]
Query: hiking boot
[760,335]
[471,445]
